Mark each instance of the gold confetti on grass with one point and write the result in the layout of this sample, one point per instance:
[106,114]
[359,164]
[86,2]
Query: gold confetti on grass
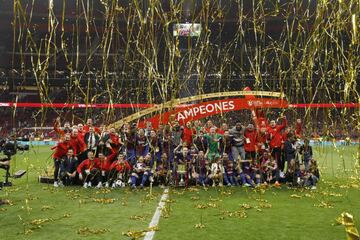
[136,234]
[28,231]
[74,196]
[165,212]
[324,204]
[47,207]
[264,205]
[138,218]
[245,206]
[192,189]
[199,225]
[295,196]
[195,198]
[104,200]
[179,193]
[37,223]
[150,197]
[347,220]
[11,190]
[3,209]
[85,231]
[331,194]
[309,195]
[153,228]
[41,221]
[226,193]
[238,214]
[207,205]
[103,191]
[215,199]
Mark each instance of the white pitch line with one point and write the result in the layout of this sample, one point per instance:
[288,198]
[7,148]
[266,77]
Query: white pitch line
[155,219]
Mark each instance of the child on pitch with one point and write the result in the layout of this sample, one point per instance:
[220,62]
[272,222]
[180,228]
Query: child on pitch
[217,172]
[269,169]
[148,159]
[199,170]
[89,170]
[119,169]
[248,174]
[292,173]
[312,176]
[229,176]
[161,171]
[229,173]
[301,175]
[140,173]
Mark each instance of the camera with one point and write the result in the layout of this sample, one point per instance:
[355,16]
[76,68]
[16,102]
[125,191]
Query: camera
[9,149]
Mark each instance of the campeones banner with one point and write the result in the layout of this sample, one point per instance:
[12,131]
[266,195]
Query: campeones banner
[202,110]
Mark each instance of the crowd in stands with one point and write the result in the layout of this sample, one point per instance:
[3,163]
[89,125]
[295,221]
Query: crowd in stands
[33,124]
[196,153]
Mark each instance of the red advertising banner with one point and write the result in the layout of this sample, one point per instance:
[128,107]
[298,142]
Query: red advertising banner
[75,105]
[202,110]
[147,105]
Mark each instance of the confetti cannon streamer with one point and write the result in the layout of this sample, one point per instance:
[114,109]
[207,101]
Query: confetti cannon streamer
[347,220]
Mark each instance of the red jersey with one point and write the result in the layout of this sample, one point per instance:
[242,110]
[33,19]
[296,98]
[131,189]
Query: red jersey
[89,165]
[78,144]
[61,149]
[275,134]
[120,167]
[298,130]
[86,129]
[261,138]
[220,131]
[81,134]
[115,141]
[250,140]
[187,135]
[60,131]
[106,163]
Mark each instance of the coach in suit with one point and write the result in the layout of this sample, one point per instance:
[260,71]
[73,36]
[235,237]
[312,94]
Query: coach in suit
[91,139]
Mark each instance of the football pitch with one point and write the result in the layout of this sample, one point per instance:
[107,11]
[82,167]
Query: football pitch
[38,211]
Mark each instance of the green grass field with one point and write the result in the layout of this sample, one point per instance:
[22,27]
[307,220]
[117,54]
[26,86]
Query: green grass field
[38,211]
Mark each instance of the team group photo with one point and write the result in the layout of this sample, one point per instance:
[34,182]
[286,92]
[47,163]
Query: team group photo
[179,119]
